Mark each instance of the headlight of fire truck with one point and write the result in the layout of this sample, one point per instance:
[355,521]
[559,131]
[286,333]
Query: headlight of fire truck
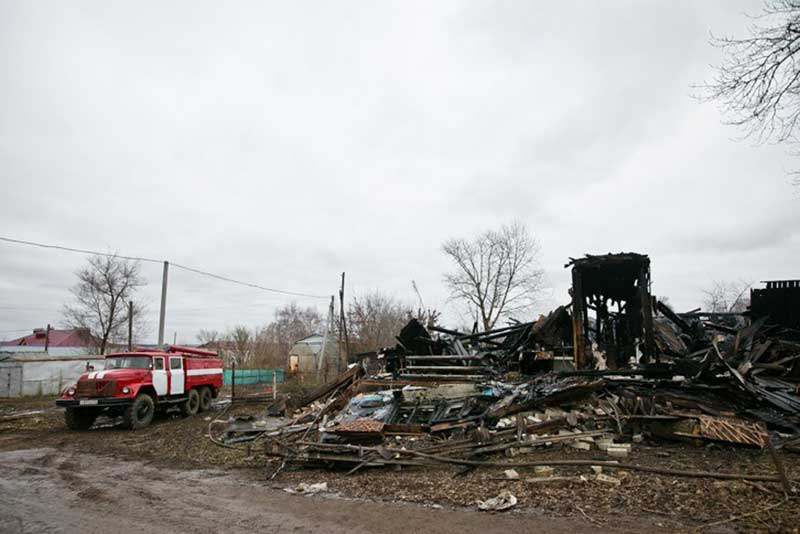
[70,391]
[126,390]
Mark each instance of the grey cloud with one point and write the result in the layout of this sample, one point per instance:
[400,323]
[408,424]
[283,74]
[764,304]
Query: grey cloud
[285,143]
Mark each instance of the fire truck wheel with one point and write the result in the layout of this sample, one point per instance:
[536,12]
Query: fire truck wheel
[192,404]
[79,418]
[205,398]
[140,413]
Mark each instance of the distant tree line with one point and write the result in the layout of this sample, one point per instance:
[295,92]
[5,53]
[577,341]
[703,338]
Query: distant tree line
[373,321]
[494,276]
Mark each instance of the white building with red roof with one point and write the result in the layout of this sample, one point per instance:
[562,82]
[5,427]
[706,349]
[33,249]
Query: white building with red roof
[52,341]
[45,361]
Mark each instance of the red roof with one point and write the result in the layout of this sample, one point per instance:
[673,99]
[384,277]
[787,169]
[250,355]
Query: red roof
[74,337]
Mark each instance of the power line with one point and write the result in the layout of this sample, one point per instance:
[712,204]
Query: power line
[82,251]
[177,265]
[256,286]
[20,308]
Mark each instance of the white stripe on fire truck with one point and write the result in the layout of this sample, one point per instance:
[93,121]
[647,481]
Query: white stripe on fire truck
[195,372]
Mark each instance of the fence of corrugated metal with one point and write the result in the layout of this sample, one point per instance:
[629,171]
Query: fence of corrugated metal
[253,376]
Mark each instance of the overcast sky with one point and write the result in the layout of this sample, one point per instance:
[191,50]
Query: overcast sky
[285,142]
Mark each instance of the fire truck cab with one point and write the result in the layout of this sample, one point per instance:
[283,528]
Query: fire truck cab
[137,384]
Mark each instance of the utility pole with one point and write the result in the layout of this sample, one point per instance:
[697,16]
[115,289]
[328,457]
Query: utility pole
[47,338]
[130,326]
[163,304]
[328,324]
[343,330]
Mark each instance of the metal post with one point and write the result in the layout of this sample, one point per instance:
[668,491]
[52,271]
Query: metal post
[233,379]
[343,317]
[130,326]
[163,304]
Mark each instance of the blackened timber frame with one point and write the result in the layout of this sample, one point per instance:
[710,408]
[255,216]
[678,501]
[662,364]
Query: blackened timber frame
[624,280]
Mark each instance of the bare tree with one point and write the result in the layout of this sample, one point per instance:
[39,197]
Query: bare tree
[496,274]
[207,337]
[727,297]
[374,320]
[266,353]
[242,341]
[291,323]
[758,82]
[101,296]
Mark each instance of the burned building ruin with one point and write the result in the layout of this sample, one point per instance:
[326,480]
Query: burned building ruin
[616,287]
[778,304]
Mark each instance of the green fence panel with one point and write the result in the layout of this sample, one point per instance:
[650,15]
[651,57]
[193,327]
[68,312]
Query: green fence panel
[253,376]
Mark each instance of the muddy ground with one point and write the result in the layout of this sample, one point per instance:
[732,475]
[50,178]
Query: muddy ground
[188,483]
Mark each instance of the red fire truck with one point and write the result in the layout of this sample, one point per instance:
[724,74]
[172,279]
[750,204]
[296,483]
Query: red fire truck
[137,384]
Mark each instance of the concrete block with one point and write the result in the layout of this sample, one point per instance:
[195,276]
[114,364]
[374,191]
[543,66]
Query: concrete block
[618,452]
[543,471]
[604,443]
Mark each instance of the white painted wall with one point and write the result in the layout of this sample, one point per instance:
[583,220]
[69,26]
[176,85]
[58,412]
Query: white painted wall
[50,376]
[51,351]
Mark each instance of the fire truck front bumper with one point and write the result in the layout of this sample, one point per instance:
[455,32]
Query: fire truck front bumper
[102,402]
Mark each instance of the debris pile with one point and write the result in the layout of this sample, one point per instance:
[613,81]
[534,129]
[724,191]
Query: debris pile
[633,370]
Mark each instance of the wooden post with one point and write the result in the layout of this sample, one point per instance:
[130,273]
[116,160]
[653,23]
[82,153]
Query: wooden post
[274,384]
[130,326]
[47,338]
[578,341]
[647,312]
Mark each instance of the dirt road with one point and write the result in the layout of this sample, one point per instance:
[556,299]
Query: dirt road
[168,478]
[48,490]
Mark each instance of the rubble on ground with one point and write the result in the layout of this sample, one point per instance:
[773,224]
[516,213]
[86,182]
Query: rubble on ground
[598,384]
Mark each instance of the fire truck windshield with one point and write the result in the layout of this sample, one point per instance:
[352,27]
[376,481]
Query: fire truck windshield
[129,362]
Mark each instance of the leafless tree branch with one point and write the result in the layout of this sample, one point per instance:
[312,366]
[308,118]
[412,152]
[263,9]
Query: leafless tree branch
[758,83]
[727,296]
[100,299]
[374,320]
[496,274]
